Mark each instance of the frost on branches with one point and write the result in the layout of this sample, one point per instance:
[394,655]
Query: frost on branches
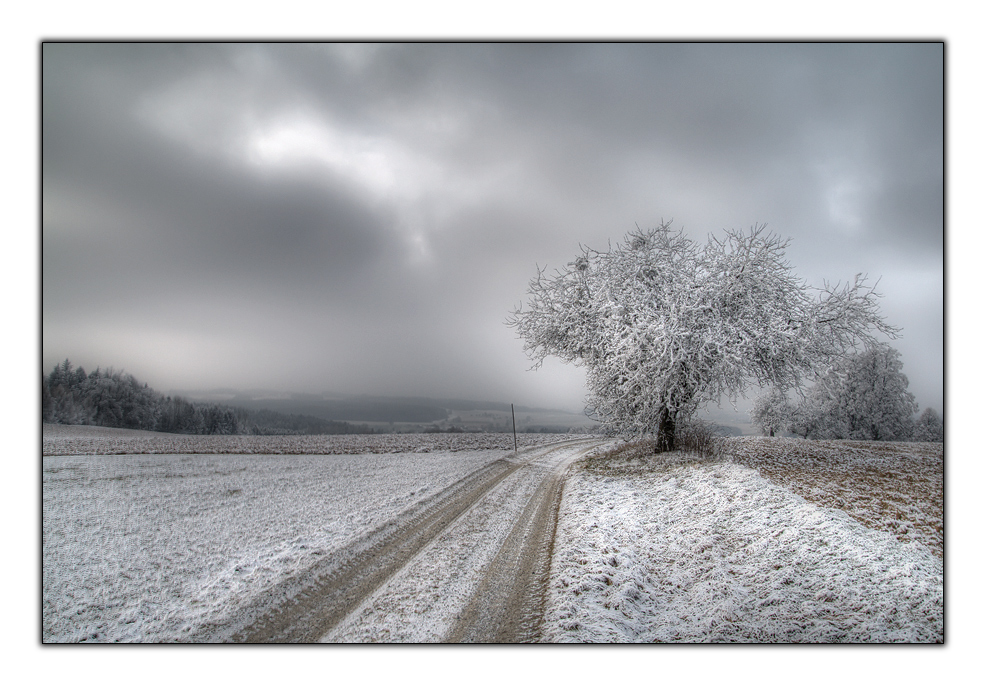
[663,325]
[863,397]
[929,427]
[771,412]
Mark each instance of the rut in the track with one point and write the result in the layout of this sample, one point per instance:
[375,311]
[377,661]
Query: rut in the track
[508,604]
[304,608]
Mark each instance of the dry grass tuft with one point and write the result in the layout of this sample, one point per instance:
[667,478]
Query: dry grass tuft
[699,438]
[638,457]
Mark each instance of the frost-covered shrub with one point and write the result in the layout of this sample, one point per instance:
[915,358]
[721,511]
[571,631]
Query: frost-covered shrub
[699,437]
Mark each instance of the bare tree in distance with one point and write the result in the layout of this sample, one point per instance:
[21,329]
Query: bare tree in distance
[663,325]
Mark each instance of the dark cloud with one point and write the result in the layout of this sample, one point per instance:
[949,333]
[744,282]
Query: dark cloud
[362,217]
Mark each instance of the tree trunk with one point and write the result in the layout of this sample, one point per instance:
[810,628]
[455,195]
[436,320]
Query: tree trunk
[665,432]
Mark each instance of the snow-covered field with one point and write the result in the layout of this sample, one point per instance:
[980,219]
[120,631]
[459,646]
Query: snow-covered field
[58,439]
[148,547]
[678,549]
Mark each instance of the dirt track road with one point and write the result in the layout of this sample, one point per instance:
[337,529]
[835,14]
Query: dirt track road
[469,564]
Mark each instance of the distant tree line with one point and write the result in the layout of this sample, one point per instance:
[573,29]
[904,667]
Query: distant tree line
[862,397]
[109,398]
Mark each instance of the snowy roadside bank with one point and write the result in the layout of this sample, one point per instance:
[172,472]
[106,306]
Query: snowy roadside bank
[688,551]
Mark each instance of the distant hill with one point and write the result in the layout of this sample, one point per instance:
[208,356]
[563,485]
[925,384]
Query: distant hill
[403,413]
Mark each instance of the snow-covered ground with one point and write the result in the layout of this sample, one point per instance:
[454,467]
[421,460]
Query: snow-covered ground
[421,603]
[780,540]
[58,439]
[677,549]
[148,547]
[894,487]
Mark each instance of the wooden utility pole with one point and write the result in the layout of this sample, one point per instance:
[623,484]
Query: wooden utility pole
[512,417]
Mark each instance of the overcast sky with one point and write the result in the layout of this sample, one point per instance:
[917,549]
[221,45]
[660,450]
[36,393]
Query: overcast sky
[362,218]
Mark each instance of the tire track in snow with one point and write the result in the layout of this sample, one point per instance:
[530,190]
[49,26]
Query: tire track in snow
[508,604]
[306,607]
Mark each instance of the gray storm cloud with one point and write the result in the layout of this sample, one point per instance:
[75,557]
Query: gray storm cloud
[361,218]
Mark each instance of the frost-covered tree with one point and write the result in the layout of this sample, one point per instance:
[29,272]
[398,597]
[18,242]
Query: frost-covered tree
[929,427]
[771,411]
[663,325]
[863,397]
[804,421]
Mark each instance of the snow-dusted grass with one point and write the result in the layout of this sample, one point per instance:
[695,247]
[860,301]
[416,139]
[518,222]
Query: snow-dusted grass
[893,487]
[676,549]
[60,439]
[149,547]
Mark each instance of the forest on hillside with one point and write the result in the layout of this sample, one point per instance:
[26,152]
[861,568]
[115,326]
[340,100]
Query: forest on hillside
[105,397]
